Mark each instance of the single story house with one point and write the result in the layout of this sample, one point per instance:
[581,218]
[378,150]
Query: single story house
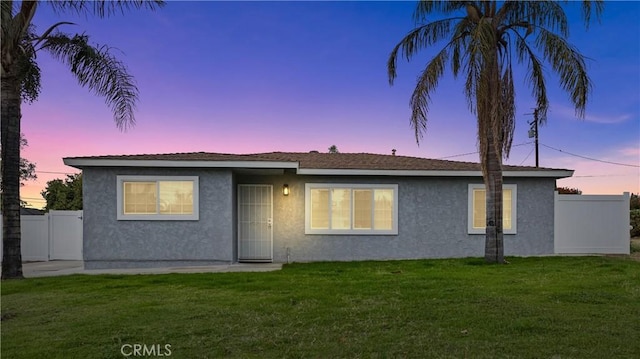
[207,208]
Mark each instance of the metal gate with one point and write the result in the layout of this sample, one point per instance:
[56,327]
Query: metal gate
[255,226]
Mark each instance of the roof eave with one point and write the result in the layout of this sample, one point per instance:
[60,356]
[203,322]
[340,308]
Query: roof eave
[93,162]
[550,173]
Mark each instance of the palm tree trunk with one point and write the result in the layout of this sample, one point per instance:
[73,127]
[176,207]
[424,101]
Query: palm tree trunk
[494,242]
[493,130]
[10,168]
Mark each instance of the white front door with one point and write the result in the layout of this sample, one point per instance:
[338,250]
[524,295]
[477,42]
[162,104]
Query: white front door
[255,227]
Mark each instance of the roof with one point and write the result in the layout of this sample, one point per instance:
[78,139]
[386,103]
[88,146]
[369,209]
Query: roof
[313,163]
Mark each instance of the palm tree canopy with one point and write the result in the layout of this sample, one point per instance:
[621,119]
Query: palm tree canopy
[94,66]
[531,32]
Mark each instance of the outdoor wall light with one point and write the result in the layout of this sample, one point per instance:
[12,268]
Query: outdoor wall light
[285,190]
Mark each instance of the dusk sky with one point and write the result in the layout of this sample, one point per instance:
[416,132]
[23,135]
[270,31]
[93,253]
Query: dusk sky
[246,77]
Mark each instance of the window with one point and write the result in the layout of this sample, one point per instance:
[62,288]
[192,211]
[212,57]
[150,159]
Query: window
[478,207]
[351,209]
[157,198]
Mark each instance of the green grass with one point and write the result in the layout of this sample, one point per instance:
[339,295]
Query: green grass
[571,307]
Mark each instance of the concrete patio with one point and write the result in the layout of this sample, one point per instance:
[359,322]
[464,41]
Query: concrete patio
[59,267]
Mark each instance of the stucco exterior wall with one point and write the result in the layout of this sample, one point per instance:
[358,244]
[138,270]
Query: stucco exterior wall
[432,221]
[109,243]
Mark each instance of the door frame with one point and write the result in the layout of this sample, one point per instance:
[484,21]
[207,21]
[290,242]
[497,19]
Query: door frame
[239,224]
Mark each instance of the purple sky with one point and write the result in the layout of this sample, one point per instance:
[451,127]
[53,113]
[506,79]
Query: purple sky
[240,77]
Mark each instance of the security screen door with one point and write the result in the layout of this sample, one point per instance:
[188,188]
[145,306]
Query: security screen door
[255,216]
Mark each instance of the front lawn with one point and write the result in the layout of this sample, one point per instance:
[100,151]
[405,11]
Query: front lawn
[554,307]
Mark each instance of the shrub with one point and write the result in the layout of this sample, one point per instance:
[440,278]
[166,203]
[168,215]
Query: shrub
[635,223]
[634,201]
[567,190]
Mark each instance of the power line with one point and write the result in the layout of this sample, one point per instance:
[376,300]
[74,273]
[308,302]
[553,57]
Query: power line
[591,158]
[460,155]
[56,173]
[555,149]
[472,153]
[530,152]
[620,175]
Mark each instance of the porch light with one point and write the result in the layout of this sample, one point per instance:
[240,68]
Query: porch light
[285,190]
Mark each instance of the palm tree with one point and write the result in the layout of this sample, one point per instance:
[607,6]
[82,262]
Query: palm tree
[93,66]
[482,40]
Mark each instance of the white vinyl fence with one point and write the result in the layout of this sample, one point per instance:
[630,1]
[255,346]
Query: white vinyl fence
[586,224]
[55,235]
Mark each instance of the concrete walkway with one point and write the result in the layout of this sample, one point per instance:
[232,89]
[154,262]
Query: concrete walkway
[58,268]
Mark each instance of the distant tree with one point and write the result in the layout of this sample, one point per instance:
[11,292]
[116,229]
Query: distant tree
[64,194]
[567,190]
[634,201]
[333,149]
[27,168]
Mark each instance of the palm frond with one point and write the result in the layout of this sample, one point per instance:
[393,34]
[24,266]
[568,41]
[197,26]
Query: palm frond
[15,26]
[482,39]
[7,25]
[459,44]
[480,48]
[546,14]
[507,112]
[421,97]
[416,40]
[426,7]
[96,68]
[6,14]
[586,10]
[18,53]
[24,17]
[103,8]
[45,35]
[28,71]
[473,68]
[569,64]
[535,76]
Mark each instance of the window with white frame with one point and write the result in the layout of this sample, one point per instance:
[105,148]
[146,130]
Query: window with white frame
[351,208]
[478,207]
[157,197]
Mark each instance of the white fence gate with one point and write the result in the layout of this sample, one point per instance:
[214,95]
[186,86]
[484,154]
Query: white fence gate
[587,224]
[54,235]
[65,235]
